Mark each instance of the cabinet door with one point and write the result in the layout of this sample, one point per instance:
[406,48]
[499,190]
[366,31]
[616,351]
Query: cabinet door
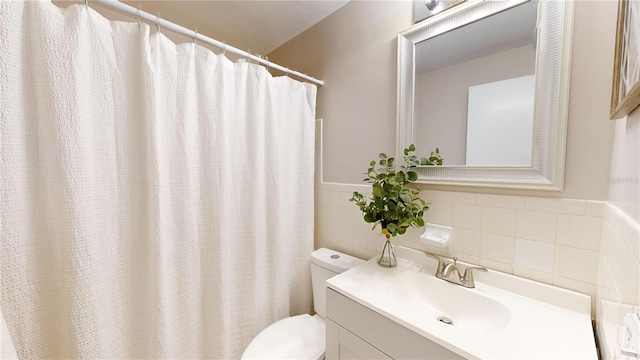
[352,347]
[343,345]
[332,351]
[387,337]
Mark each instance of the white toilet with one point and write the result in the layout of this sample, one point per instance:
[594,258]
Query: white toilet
[303,336]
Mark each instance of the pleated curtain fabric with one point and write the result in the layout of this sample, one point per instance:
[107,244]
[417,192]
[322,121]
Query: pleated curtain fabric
[157,199]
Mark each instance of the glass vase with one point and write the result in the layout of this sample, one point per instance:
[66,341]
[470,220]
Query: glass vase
[386,257]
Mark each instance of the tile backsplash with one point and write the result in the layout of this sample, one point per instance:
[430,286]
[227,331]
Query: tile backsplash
[618,291]
[555,241]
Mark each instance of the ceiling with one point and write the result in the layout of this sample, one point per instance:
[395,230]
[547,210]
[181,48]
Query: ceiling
[258,26]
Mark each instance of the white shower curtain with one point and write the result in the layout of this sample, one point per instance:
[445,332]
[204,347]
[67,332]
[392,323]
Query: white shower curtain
[157,199]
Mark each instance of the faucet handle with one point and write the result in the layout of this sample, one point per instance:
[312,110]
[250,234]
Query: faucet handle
[440,263]
[467,278]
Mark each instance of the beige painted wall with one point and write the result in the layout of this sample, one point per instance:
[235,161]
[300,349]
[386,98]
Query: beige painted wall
[354,51]
[441,111]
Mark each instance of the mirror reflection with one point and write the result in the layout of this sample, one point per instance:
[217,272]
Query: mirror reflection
[484,115]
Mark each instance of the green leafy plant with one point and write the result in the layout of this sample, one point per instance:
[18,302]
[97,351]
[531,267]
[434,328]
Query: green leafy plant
[433,159]
[393,205]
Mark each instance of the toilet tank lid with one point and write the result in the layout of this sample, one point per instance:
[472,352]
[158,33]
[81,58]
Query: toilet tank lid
[333,260]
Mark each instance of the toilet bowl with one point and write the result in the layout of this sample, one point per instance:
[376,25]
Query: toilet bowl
[303,336]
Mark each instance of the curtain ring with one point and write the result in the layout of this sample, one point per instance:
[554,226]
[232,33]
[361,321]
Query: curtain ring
[158,22]
[86,4]
[287,73]
[224,48]
[246,57]
[266,58]
[138,12]
[195,35]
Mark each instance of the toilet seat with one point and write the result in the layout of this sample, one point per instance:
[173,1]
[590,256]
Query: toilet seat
[296,337]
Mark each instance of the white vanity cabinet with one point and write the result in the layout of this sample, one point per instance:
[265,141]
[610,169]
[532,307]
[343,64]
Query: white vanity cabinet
[357,332]
[406,312]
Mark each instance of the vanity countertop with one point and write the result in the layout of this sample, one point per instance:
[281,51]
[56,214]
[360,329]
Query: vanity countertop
[504,316]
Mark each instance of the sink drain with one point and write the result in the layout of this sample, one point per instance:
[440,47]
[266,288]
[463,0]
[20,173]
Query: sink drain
[445,320]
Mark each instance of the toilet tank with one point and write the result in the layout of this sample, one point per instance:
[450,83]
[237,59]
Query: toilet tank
[325,264]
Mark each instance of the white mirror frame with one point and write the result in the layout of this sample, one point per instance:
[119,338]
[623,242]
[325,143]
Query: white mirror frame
[553,61]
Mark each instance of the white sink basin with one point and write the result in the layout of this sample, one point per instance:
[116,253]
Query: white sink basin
[503,317]
[442,301]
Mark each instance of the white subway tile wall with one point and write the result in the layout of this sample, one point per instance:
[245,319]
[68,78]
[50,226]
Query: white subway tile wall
[536,225]
[575,263]
[618,290]
[534,255]
[560,206]
[575,230]
[440,212]
[467,216]
[555,241]
[467,241]
[501,201]
[499,221]
[497,248]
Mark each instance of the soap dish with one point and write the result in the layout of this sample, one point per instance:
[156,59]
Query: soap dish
[437,237]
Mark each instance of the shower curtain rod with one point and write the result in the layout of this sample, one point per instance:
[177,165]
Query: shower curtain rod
[161,23]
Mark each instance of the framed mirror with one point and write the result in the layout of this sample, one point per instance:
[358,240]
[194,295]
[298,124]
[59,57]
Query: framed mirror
[486,82]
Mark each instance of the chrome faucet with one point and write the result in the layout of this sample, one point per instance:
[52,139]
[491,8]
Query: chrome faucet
[450,272]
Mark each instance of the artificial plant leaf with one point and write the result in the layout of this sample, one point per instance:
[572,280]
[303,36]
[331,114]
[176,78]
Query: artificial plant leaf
[391,227]
[379,203]
[377,191]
